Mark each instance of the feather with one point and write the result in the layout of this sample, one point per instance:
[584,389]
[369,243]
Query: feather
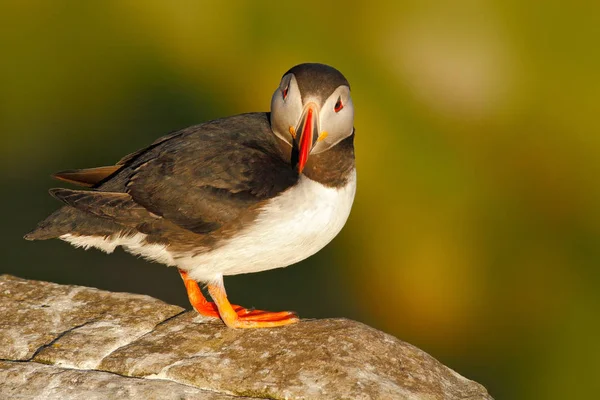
[118,207]
[88,177]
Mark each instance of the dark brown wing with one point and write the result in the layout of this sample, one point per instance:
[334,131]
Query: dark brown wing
[196,179]
[118,207]
[131,157]
[208,175]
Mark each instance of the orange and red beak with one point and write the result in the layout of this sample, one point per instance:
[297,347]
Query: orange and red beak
[308,130]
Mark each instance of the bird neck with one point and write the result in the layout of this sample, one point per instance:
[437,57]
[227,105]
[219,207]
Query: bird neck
[333,167]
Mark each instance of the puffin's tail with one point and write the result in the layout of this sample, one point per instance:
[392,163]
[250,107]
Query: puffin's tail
[59,223]
[69,220]
[40,233]
[52,226]
[91,213]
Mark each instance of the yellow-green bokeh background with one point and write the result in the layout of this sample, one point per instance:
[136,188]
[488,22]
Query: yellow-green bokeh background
[475,231]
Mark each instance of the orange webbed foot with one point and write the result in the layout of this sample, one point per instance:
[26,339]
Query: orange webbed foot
[235,318]
[233,315]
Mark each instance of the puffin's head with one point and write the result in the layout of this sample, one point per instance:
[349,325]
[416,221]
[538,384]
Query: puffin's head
[312,110]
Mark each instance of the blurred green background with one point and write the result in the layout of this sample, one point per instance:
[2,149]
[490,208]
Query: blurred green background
[475,231]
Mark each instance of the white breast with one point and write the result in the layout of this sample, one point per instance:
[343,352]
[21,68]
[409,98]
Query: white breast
[292,227]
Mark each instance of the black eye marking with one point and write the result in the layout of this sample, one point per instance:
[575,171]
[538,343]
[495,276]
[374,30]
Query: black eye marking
[284,92]
[338,105]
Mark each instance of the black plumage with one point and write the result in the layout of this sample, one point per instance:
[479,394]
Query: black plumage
[198,179]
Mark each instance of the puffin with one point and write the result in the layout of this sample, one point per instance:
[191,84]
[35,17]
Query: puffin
[241,194]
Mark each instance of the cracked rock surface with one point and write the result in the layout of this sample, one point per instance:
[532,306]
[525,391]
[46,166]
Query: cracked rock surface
[71,342]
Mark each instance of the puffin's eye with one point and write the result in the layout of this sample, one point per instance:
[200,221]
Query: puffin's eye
[284,92]
[338,105]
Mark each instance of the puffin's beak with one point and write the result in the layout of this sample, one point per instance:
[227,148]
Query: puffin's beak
[309,133]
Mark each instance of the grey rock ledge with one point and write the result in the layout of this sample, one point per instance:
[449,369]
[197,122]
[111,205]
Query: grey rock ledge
[72,342]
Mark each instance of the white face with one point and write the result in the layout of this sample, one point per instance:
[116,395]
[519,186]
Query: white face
[334,118]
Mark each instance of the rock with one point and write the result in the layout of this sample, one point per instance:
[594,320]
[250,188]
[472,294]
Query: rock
[38,381]
[118,345]
[88,324]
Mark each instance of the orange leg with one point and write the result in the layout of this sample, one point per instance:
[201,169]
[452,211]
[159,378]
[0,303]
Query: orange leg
[197,299]
[199,302]
[234,316]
